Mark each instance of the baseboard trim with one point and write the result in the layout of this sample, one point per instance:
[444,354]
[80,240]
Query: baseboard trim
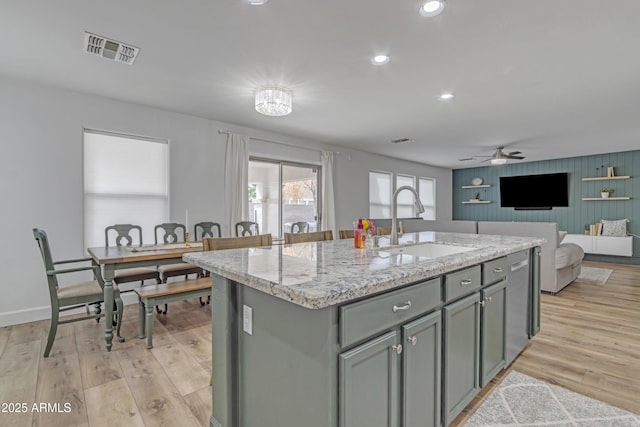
[35,314]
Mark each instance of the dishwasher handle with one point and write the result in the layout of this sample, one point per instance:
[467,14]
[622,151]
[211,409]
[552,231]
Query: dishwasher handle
[519,265]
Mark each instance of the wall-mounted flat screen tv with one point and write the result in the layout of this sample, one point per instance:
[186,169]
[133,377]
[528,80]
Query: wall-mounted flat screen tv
[534,192]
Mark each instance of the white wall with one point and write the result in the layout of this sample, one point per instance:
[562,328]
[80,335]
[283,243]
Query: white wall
[41,176]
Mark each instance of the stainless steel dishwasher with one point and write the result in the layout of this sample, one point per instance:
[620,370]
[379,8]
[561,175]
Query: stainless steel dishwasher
[518,294]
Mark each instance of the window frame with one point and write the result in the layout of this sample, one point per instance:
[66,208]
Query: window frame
[165,196]
[391,185]
[282,163]
[393,176]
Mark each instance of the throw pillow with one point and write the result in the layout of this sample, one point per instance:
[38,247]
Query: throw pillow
[617,228]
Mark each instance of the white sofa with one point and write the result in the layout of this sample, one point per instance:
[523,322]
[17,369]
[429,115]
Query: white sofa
[560,262]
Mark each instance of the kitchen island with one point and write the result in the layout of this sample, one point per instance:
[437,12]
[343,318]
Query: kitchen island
[322,334]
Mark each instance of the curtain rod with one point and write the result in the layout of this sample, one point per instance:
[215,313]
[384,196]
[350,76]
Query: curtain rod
[226,132]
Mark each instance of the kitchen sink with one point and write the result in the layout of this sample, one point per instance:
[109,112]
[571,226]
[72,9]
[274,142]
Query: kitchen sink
[427,250]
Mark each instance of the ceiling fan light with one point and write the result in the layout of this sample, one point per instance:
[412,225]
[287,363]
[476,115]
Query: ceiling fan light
[498,161]
[274,101]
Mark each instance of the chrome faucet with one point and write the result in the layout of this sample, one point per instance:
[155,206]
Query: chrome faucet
[394,210]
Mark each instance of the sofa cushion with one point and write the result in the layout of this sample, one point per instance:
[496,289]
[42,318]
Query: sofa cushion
[568,254]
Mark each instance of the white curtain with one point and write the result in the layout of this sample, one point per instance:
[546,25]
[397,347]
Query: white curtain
[236,180]
[328,200]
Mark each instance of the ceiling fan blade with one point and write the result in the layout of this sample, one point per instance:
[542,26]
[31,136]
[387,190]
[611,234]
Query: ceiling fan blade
[514,153]
[464,160]
[509,156]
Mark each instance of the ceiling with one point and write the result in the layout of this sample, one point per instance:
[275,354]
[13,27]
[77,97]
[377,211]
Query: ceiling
[549,78]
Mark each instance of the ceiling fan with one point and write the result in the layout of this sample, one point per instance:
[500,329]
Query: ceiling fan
[499,157]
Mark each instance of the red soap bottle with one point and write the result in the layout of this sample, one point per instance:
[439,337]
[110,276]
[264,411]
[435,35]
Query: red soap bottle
[359,236]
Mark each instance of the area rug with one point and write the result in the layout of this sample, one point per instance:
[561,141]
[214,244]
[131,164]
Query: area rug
[520,400]
[594,276]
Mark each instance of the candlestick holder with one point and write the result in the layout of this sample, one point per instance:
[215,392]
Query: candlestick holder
[186,240]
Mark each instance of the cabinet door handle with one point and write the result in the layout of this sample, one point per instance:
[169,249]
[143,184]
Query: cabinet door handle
[489,299]
[397,348]
[465,282]
[413,340]
[404,307]
[497,270]
[482,303]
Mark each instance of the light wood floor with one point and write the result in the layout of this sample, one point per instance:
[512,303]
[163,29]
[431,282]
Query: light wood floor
[589,342]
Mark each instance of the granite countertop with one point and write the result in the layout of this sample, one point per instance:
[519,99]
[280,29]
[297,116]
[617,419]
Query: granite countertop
[321,274]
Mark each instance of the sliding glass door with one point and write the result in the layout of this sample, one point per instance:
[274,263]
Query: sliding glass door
[283,193]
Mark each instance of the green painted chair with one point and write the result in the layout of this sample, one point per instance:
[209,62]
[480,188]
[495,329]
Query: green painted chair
[200,231]
[300,227]
[65,298]
[247,228]
[127,235]
[167,233]
[206,229]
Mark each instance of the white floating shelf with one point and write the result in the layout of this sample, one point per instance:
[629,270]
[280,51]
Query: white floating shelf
[479,202]
[604,178]
[477,186]
[603,198]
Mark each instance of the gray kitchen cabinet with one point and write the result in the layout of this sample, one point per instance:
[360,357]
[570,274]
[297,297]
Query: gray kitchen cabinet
[369,383]
[493,335]
[394,379]
[421,371]
[461,355]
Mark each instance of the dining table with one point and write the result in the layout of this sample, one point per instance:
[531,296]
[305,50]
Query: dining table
[113,258]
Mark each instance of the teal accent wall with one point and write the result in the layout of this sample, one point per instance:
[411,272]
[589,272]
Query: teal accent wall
[579,212]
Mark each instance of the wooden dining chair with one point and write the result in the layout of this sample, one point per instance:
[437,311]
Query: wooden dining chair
[206,229]
[64,298]
[127,235]
[300,227]
[316,236]
[167,233]
[383,231]
[247,228]
[386,231]
[220,243]
[345,234]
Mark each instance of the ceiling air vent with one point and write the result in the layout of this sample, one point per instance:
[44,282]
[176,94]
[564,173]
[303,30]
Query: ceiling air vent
[402,140]
[110,49]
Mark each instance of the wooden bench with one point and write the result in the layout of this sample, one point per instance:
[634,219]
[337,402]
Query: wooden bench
[163,293]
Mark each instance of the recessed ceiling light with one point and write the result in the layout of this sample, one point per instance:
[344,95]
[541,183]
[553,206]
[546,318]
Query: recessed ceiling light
[446,96]
[432,8]
[256,2]
[380,59]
